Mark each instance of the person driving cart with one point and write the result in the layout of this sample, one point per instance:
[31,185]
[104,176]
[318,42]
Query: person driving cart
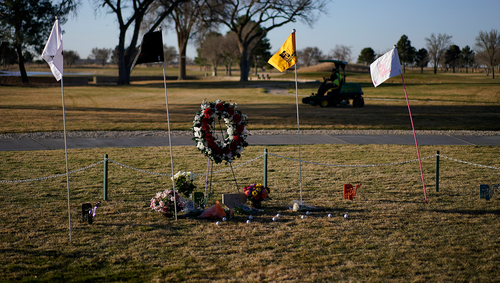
[334,90]
[335,82]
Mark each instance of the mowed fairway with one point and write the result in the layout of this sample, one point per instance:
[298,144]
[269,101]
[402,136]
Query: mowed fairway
[390,234]
[444,102]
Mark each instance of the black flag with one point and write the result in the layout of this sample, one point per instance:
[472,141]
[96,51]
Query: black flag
[151,49]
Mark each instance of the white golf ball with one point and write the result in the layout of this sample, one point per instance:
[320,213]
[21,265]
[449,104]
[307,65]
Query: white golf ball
[217,223]
[329,215]
[307,212]
[248,221]
[278,215]
[274,218]
[302,216]
[224,219]
[250,217]
[345,215]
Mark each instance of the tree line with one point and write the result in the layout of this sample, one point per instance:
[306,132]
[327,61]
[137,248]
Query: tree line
[441,52]
[26,25]
[250,21]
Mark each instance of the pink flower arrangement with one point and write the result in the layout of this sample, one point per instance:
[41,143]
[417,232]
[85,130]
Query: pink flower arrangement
[164,202]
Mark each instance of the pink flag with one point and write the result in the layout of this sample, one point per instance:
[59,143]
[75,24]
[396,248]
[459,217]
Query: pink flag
[388,66]
[385,67]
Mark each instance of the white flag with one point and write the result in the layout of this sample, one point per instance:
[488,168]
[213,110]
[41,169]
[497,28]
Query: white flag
[385,67]
[52,53]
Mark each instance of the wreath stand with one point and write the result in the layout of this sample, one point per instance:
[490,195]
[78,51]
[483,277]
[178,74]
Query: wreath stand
[232,142]
[208,185]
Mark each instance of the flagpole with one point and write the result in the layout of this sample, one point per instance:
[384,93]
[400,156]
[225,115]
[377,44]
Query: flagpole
[388,66]
[298,128]
[415,137]
[66,155]
[170,141]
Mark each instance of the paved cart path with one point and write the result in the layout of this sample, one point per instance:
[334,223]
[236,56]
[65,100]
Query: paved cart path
[19,142]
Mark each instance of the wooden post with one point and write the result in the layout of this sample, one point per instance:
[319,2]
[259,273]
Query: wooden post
[264,181]
[105,181]
[437,171]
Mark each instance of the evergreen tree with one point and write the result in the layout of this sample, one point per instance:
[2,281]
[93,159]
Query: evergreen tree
[422,59]
[452,56]
[367,56]
[467,57]
[406,51]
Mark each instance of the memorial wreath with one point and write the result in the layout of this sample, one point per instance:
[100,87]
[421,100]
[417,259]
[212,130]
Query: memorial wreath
[234,139]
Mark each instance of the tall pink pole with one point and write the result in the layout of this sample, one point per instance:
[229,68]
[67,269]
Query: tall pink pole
[415,137]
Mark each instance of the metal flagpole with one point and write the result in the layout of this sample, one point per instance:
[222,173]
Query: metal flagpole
[415,137]
[66,154]
[170,141]
[298,128]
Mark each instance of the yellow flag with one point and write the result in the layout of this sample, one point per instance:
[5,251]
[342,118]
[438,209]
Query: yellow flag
[286,56]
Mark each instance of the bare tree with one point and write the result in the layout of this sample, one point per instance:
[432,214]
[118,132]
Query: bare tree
[169,53]
[436,46]
[114,56]
[230,51]
[488,49]
[309,55]
[211,49]
[70,57]
[265,14]
[130,15]
[341,52]
[187,24]
[101,55]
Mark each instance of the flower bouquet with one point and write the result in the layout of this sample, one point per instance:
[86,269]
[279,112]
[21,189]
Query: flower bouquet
[164,202]
[256,193]
[184,183]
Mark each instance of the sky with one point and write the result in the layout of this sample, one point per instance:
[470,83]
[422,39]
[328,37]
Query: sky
[354,23]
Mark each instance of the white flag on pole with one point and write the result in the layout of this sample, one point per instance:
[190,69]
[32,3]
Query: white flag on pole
[385,67]
[52,53]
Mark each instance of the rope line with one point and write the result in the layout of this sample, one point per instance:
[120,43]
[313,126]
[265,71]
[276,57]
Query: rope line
[365,165]
[139,170]
[245,163]
[223,170]
[53,176]
[469,163]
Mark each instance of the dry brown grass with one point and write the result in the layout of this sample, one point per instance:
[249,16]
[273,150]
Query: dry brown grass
[390,234]
[327,68]
[470,106]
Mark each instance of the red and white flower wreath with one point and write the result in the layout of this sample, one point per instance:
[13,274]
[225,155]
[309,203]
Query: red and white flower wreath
[234,138]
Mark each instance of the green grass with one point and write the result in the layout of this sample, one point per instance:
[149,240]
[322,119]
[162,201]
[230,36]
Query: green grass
[391,234]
